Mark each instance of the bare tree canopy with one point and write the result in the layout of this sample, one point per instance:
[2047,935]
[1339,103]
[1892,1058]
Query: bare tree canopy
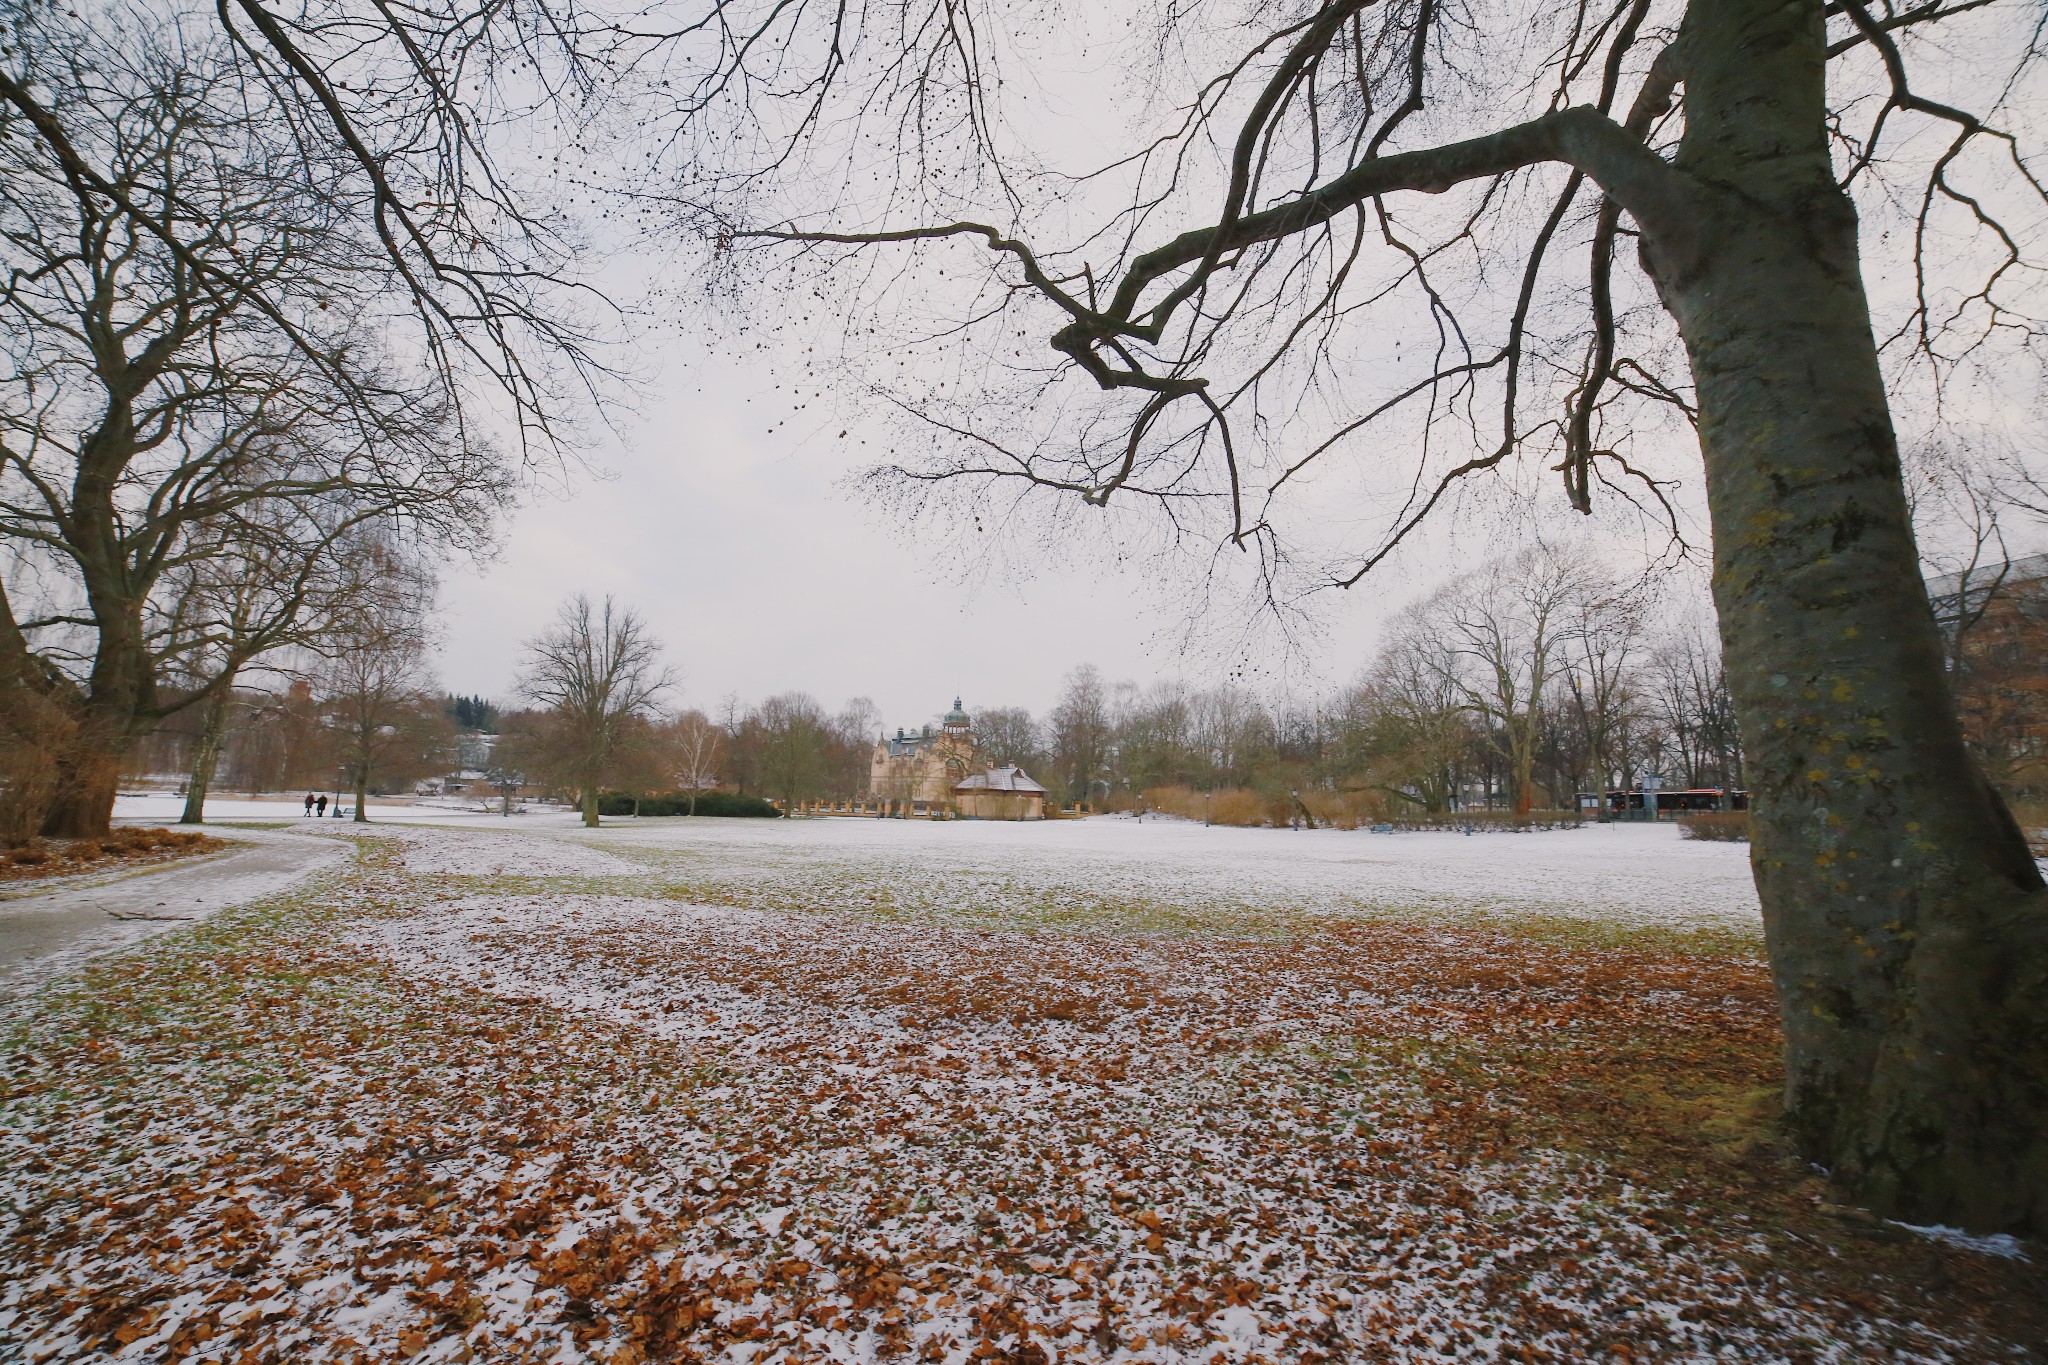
[404,115]
[598,673]
[198,380]
[1232,304]
[380,710]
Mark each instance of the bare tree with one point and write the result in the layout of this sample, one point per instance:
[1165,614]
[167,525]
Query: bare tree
[795,742]
[1413,735]
[1080,730]
[853,733]
[192,370]
[1007,735]
[380,710]
[598,672]
[1601,649]
[1343,165]
[1504,632]
[256,603]
[690,745]
[1696,713]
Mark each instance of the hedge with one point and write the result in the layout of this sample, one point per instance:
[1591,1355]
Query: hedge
[678,803]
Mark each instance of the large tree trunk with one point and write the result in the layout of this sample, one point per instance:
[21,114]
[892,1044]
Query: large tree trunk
[1523,769]
[89,776]
[589,802]
[208,756]
[362,816]
[1907,922]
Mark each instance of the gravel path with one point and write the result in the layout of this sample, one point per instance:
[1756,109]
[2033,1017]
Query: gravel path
[48,930]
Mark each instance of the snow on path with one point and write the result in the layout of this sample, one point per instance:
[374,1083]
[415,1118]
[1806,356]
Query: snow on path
[52,930]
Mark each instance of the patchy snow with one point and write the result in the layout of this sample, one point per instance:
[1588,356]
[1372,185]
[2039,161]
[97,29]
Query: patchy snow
[1624,874]
[496,853]
[1988,1244]
[777,1091]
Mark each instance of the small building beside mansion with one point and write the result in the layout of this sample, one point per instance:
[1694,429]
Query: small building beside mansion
[937,771]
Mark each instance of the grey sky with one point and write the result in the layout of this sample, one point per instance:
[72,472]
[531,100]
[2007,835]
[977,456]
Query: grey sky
[762,574]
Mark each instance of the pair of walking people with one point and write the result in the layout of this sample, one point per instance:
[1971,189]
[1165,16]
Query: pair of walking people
[320,803]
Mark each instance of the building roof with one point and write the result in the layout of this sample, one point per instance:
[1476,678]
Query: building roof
[956,716]
[1955,593]
[909,743]
[1000,780]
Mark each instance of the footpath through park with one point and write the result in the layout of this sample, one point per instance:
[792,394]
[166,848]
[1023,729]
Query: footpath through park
[47,928]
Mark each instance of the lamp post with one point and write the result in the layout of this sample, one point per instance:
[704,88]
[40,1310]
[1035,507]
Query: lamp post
[340,783]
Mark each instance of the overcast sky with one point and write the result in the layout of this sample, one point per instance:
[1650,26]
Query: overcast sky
[762,573]
[725,517]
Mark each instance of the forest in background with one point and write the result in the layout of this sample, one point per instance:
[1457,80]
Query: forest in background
[1517,686]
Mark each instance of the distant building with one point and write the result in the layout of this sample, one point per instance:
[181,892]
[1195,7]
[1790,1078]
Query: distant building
[475,751]
[1994,625]
[933,770]
[923,766]
[999,794]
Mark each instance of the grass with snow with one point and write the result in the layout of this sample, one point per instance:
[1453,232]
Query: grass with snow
[850,1093]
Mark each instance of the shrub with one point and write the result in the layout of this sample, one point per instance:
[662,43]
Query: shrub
[1721,826]
[1346,810]
[678,803]
[28,857]
[1230,806]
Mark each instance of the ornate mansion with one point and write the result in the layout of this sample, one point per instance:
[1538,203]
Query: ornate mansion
[936,772]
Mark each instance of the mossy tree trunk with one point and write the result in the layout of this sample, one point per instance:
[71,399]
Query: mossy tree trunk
[1907,922]
[207,757]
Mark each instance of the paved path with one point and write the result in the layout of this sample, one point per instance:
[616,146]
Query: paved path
[45,932]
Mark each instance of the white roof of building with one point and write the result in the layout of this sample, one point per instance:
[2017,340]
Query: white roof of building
[1000,780]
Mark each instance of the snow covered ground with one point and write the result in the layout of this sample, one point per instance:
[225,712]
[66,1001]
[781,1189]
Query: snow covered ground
[1626,874]
[854,1091]
[163,808]
[1634,874]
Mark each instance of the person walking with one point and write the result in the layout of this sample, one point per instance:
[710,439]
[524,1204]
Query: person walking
[309,805]
[322,803]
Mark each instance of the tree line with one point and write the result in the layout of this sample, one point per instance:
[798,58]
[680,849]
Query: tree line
[1534,678]
[1519,685]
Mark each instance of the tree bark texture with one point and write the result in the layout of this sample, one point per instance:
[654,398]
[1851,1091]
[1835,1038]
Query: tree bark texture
[208,756]
[122,684]
[1907,921]
[89,776]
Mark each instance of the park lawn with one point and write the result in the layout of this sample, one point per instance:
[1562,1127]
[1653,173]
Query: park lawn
[624,1108]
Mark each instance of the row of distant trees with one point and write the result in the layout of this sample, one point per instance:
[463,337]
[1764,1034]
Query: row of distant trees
[365,716]
[1538,676]
[1534,678]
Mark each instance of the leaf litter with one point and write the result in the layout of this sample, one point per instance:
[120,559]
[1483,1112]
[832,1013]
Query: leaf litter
[840,1112]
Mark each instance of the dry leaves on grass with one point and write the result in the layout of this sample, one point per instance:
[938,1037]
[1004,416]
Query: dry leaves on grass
[127,846]
[511,1126]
